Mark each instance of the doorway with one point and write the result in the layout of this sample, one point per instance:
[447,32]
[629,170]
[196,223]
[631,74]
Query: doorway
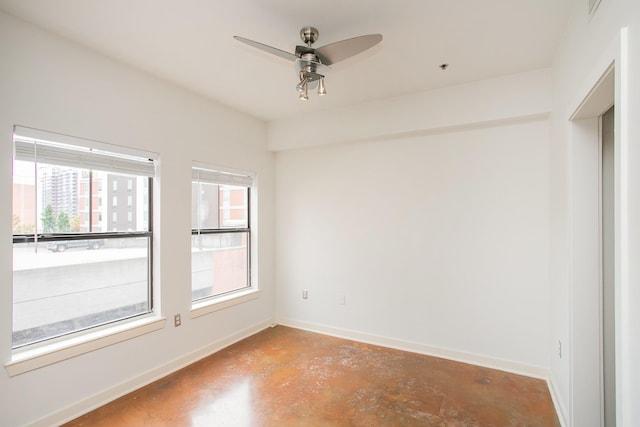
[607,215]
[592,244]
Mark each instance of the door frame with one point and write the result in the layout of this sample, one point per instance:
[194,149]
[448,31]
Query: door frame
[605,87]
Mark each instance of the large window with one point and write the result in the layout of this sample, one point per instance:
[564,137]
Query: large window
[75,265]
[220,233]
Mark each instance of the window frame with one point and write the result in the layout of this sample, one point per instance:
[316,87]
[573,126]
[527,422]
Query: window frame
[232,177]
[88,337]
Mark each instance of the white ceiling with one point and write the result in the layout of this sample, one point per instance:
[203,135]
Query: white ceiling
[190,43]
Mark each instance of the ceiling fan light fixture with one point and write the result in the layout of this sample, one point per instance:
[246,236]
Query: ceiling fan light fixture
[304,93]
[304,81]
[322,90]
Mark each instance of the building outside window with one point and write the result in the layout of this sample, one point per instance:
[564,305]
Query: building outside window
[221,233]
[71,270]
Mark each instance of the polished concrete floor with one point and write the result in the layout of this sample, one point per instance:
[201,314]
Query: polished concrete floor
[288,377]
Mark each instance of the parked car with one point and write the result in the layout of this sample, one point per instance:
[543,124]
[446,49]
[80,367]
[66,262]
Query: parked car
[63,245]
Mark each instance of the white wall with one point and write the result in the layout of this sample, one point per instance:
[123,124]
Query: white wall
[588,46]
[438,240]
[51,84]
[480,103]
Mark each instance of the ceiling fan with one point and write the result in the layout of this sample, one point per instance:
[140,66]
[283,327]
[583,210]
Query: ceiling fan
[312,63]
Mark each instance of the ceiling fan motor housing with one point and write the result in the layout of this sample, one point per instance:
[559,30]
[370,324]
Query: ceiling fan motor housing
[307,66]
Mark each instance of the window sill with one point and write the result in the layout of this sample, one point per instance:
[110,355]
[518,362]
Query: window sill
[30,359]
[220,303]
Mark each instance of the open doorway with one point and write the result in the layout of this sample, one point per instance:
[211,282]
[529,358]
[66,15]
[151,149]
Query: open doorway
[607,215]
[593,176]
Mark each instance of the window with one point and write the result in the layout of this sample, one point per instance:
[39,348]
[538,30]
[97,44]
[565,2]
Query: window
[71,271]
[221,233]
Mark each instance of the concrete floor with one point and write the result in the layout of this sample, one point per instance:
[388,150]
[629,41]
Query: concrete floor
[288,377]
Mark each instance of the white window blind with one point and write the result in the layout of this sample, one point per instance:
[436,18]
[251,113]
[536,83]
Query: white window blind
[55,149]
[220,177]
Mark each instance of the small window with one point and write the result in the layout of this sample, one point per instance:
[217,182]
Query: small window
[220,234]
[72,271]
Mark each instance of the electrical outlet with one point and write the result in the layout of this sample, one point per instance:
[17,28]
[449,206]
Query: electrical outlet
[560,349]
[177,321]
[305,294]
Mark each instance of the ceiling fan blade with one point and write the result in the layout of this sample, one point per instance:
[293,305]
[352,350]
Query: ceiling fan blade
[338,51]
[268,49]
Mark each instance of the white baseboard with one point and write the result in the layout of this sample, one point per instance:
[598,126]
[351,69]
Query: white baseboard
[557,402]
[80,408]
[458,356]
[473,359]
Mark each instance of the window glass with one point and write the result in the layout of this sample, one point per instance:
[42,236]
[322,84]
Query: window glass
[72,269]
[219,263]
[221,236]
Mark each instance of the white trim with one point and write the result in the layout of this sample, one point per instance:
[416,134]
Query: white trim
[561,411]
[596,75]
[34,358]
[601,277]
[80,408]
[588,104]
[225,301]
[599,98]
[458,356]
[624,330]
